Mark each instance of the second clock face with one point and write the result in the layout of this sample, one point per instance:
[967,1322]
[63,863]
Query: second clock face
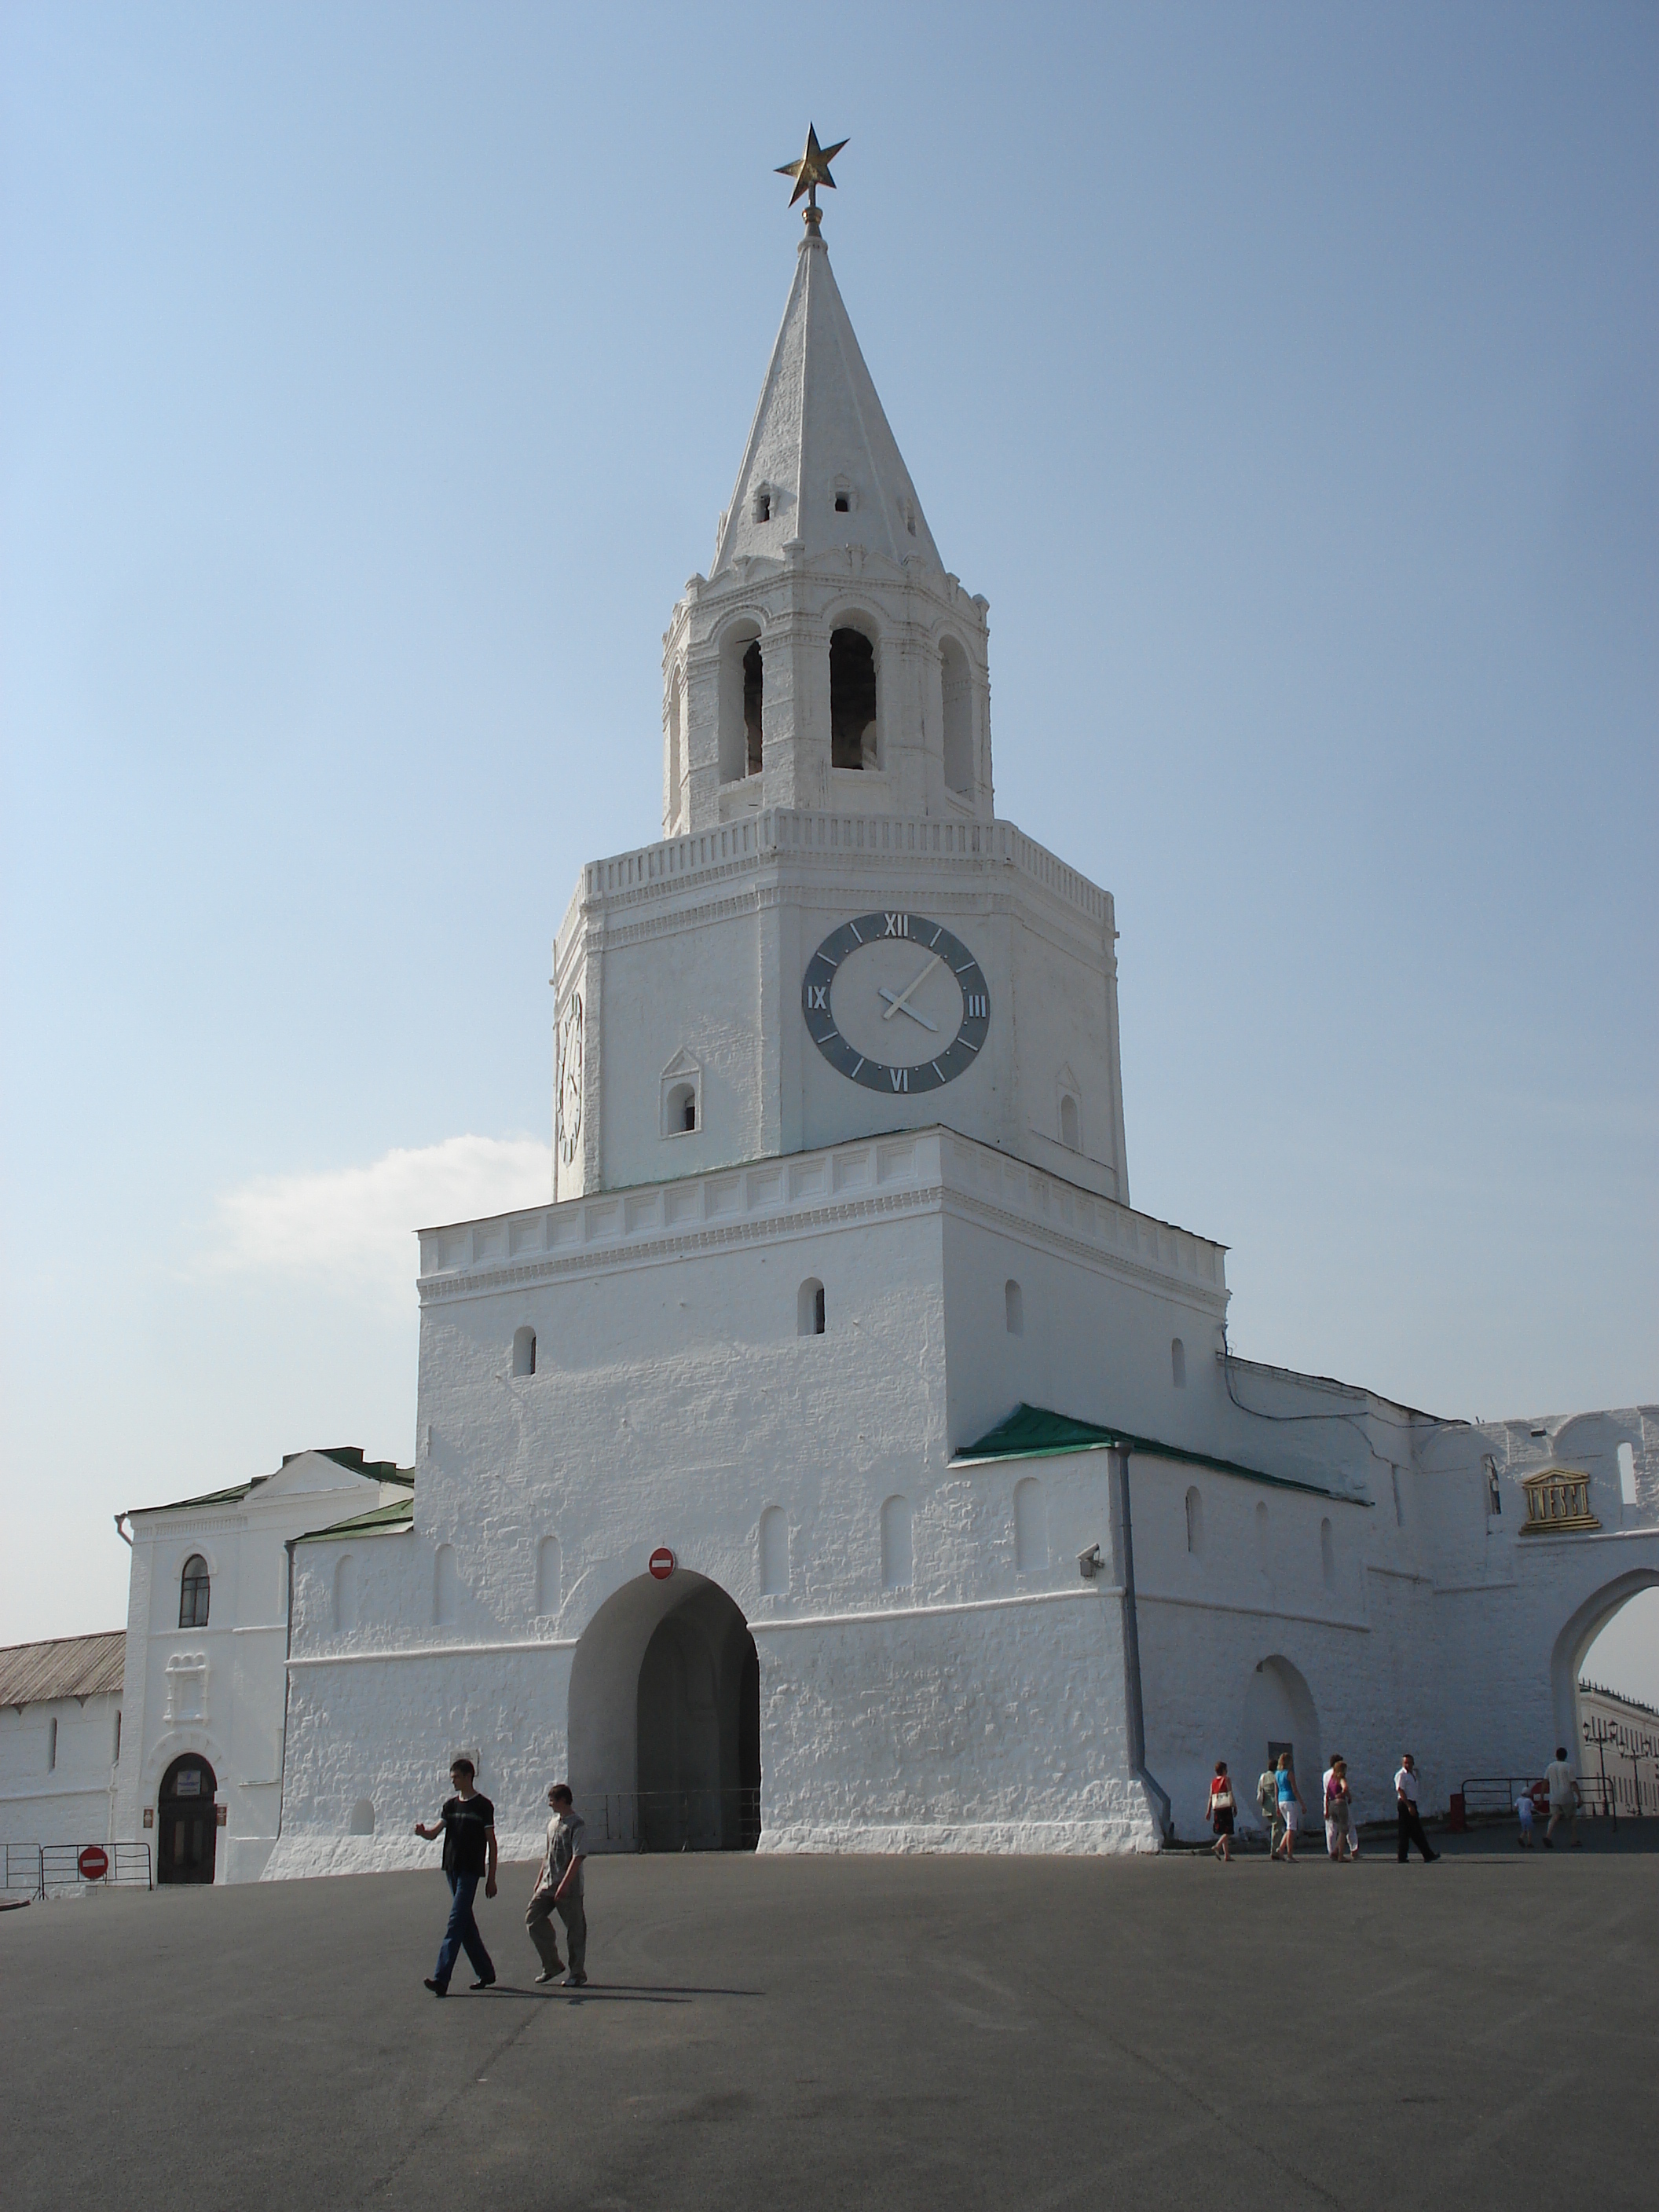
[895,1002]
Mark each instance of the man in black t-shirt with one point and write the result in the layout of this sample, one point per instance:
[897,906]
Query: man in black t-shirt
[467,1825]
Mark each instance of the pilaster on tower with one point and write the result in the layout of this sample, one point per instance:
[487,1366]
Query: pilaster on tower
[828,661]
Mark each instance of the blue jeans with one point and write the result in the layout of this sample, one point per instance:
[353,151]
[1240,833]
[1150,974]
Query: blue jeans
[462,1933]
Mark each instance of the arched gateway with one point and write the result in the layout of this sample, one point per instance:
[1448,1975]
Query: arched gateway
[186,1817]
[665,1720]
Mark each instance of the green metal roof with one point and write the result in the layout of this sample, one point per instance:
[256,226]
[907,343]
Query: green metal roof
[1034,1432]
[383,1521]
[348,1456]
[211,1497]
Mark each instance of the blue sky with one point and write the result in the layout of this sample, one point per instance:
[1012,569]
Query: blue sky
[373,381]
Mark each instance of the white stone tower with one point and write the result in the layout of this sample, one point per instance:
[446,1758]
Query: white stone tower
[826,760]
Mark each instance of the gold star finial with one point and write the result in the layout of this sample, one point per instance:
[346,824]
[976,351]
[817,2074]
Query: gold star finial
[809,172]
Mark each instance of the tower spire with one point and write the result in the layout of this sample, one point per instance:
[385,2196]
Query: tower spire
[809,172]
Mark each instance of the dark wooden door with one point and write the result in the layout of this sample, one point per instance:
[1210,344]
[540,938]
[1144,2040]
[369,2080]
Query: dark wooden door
[186,1831]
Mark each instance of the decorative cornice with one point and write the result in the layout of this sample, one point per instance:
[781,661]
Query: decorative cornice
[704,1237]
[1107,1258]
[782,1196]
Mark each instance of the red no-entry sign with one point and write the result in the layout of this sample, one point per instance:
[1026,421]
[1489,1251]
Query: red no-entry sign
[93,1863]
[663,1563]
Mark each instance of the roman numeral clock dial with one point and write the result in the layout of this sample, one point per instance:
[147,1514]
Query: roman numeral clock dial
[895,1002]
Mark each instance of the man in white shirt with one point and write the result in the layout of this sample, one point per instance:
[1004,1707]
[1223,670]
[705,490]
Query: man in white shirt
[1405,1798]
[1564,1799]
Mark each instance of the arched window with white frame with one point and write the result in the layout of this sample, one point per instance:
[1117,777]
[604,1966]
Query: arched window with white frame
[195,1588]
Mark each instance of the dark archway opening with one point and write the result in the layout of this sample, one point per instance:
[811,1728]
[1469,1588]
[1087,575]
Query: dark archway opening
[665,1720]
[186,1829]
[699,1740]
[852,700]
[754,693]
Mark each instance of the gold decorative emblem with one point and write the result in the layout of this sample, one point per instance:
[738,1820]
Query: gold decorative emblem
[1558,1499]
[809,172]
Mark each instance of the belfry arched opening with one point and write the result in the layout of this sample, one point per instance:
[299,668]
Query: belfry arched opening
[665,1720]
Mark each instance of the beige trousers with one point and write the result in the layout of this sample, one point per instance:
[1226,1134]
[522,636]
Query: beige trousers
[538,1919]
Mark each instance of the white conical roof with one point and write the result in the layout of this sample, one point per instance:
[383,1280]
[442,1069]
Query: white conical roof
[818,430]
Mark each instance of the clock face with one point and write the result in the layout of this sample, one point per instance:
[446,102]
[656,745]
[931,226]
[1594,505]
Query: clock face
[895,1002]
[568,1112]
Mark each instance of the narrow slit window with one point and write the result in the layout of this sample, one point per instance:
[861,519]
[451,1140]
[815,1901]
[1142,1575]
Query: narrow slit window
[1178,1364]
[763,505]
[774,1553]
[1030,1527]
[524,1350]
[896,1548]
[754,692]
[1070,1134]
[1327,1552]
[52,1744]
[957,699]
[810,1309]
[1195,1521]
[550,1567]
[843,505]
[1013,1308]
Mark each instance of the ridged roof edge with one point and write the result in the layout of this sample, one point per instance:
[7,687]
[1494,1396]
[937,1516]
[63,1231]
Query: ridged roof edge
[63,1666]
[1034,1432]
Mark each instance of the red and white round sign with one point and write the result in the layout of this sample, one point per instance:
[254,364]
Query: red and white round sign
[93,1863]
[663,1563]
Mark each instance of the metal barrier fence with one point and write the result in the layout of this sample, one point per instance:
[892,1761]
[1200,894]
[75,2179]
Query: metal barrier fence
[39,1867]
[23,1868]
[674,1820]
[1496,1796]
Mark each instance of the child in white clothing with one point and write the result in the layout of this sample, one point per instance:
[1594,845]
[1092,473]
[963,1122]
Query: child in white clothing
[1523,1814]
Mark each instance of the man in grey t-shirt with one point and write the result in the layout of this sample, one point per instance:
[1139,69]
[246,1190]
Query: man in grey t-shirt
[559,1889]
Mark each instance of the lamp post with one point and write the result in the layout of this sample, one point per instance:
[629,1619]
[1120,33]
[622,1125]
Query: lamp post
[1598,1733]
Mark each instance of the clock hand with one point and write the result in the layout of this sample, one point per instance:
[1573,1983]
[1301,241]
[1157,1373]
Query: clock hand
[911,1011]
[898,1004]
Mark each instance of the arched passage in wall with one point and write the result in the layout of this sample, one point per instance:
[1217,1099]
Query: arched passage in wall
[186,1833]
[1279,1712]
[664,1719]
[1572,1648]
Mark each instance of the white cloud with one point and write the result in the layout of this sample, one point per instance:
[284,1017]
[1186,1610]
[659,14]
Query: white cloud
[352,1226]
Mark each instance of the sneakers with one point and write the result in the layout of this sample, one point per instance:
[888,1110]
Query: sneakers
[548,1974]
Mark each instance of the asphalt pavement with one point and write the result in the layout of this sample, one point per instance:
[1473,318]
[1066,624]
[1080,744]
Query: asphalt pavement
[868,2031]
